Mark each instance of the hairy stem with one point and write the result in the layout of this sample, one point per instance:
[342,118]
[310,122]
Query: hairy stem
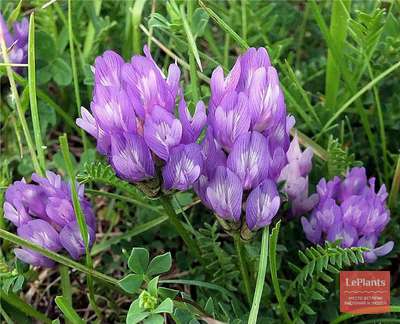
[243,266]
[173,218]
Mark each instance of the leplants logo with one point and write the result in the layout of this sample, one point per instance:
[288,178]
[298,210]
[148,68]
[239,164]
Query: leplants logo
[364,292]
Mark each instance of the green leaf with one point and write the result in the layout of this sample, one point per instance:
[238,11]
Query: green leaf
[135,314]
[139,260]
[45,46]
[168,292]
[152,286]
[131,283]
[61,72]
[167,306]
[308,310]
[14,14]
[160,264]
[68,311]
[18,283]
[154,319]
[209,308]
[199,22]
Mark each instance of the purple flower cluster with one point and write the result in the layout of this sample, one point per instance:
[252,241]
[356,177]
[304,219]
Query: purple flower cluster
[16,42]
[133,119]
[247,145]
[44,214]
[351,211]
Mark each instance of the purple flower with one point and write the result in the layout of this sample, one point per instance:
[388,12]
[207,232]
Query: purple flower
[370,241]
[249,159]
[231,119]
[192,125]
[131,158]
[135,120]
[16,213]
[262,205]
[71,239]
[225,194]
[351,211]
[248,139]
[162,132]
[42,211]
[17,43]
[183,167]
[42,233]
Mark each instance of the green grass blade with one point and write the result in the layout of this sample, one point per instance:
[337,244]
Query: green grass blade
[137,10]
[65,284]
[80,218]
[14,14]
[381,123]
[191,40]
[5,316]
[32,94]
[201,284]
[22,306]
[167,51]
[338,31]
[69,313]
[357,95]
[21,115]
[73,58]
[394,191]
[244,19]
[57,257]
[193,53]
[220,22]
[75,70]
[262,269]
[90,32]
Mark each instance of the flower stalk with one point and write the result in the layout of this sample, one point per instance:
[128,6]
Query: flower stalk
[173,218]
[243,265]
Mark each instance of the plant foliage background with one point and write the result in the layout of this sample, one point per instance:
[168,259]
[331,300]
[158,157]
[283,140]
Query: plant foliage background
[338,63]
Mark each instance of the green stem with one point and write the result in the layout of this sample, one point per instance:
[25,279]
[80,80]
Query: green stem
[65,284]
[58,258]
[262,269]
[75,71]
[394,191]
[243,266]
[346,316]
[136,18]
[4,315]
[173,218]
[23,307]
[194,82]
[274,275]
[21,115]
[32,94]
[244,19]
[80,218]
[90,33]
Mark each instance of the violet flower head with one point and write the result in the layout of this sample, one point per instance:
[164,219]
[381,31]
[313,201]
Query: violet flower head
[246,147]
[43,213]
[16,42]
[137,125]
[350,210]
